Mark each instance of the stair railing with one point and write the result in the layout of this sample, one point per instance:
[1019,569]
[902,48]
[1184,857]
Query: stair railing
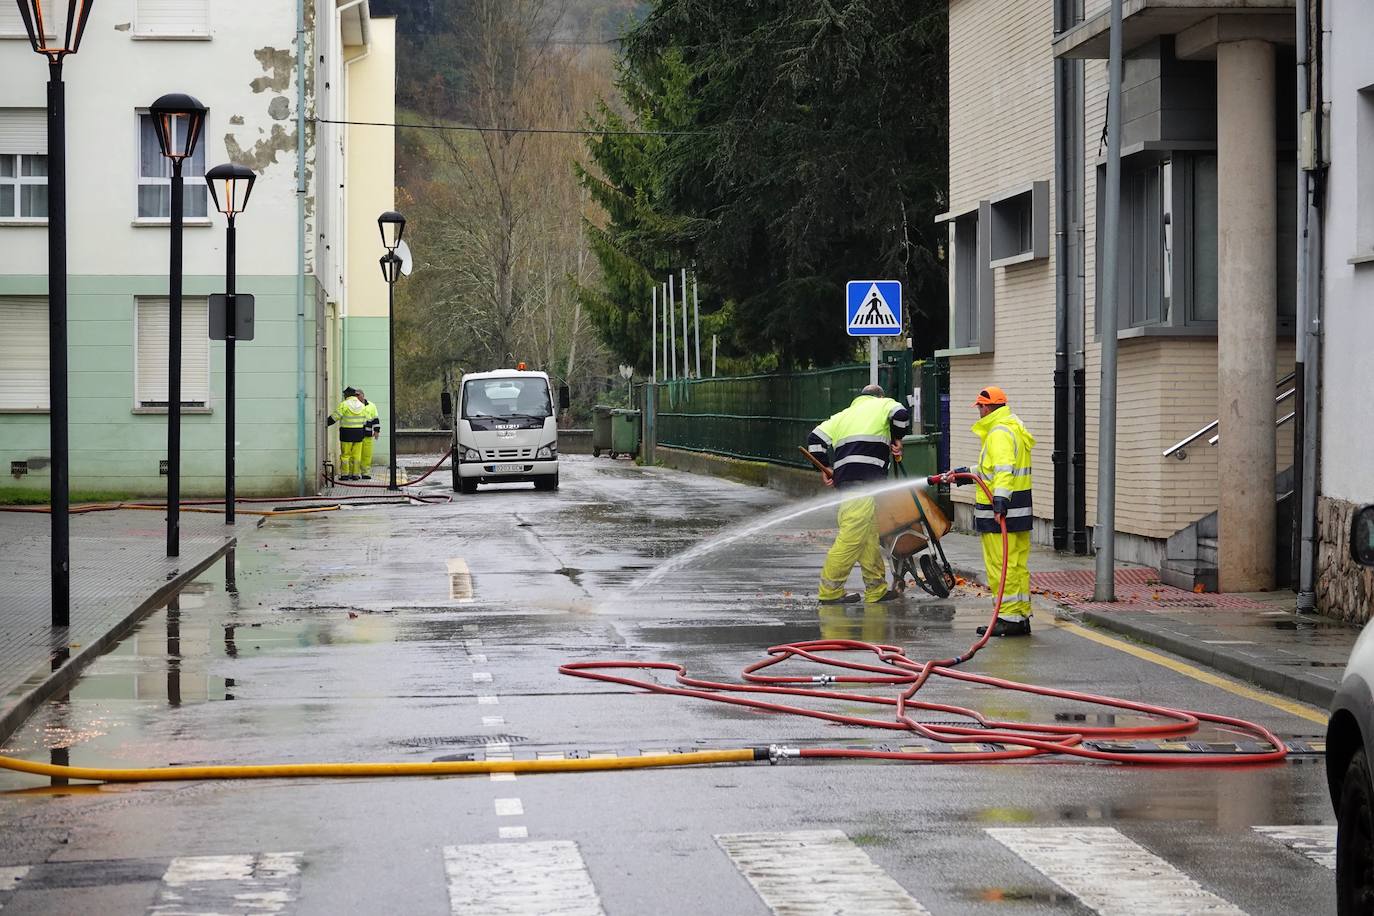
[1180,449]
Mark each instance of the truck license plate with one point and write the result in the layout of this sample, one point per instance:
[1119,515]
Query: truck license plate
[509,468]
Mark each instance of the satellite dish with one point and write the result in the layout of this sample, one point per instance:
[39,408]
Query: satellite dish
[627,371]
[407,262]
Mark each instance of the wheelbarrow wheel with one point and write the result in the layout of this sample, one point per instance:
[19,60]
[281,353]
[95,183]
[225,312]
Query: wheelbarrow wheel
[932,577]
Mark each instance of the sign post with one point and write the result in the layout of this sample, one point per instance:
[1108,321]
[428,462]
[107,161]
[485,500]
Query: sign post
[873,309]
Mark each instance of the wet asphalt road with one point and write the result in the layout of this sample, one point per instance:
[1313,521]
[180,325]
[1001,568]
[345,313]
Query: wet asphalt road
[410,634]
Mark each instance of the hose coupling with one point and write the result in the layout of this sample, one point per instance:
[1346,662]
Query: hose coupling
[777,752]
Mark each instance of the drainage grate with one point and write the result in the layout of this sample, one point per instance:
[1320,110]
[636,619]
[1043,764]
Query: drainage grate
[459,740]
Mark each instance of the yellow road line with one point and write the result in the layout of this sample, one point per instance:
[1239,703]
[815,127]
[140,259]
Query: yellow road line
[1301,710]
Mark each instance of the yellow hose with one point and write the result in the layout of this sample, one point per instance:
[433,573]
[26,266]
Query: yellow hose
[355,770]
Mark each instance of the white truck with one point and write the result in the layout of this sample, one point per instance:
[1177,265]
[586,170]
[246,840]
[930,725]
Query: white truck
[505,429]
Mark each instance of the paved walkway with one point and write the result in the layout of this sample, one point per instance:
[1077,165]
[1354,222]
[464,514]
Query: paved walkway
[1256,637]
[119,571]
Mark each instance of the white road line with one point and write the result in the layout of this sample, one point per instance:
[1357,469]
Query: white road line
[509,807]
[503,777]
[481,677]
[478,659]
[459,580]
[1109,873]
[520,879]
[816,873]
[265,883]
[10,876]
[1316,841]
[488,700]
[514,833]
[493,720]
[471,643]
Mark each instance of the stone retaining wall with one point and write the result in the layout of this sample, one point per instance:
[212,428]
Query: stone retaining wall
[1344,590]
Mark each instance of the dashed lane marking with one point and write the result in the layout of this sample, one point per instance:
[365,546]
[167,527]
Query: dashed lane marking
[493,720]
[1109,873]
[503,777]
[520,879]
[1315,841]
[488,700]
[509,807]
[816,873]
[514,833]
[268,882]
[478,659]
[481,677]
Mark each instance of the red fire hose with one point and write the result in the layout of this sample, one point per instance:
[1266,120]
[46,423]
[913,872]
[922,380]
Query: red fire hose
[891,667]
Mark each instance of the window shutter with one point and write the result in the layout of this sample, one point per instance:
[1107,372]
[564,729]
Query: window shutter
[11,23]
[153,337]
[23,130]
[24,354]
[173,17]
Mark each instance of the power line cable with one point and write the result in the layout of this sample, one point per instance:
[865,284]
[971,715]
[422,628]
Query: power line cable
[518,130]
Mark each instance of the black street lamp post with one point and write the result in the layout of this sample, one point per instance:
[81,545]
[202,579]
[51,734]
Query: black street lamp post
[38,22]
[230,186]
[177,120]
[393,226]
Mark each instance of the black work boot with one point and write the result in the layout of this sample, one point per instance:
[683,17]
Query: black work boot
[851,598]
[1006,626]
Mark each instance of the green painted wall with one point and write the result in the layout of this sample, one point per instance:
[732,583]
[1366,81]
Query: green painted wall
[115,449]
[366,352]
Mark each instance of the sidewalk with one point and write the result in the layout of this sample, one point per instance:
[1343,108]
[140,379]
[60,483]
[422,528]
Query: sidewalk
[1255,637]
[119,573]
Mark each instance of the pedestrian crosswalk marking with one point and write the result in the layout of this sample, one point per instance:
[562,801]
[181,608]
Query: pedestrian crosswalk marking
[520,879]
[1109,873]
[815,872]
[1316,842]
[249,884]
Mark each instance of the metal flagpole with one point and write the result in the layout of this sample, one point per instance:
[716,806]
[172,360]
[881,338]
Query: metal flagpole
[696,313]
[672,321]
[653,340]
[664,324]
[686,361]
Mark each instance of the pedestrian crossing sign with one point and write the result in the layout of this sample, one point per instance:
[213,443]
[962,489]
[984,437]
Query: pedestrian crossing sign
[873,308]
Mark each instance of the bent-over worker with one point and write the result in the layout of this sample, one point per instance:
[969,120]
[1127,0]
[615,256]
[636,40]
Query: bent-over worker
[862,437]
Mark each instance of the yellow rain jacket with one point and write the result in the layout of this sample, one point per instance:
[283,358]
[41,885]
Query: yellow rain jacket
[1005,466]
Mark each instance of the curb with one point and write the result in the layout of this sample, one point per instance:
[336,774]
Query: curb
[56,681]
[1284,683]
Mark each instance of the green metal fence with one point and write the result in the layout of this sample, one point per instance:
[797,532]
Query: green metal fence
[763,417]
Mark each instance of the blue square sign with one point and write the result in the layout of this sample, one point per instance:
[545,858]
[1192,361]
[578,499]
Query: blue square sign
[873,308]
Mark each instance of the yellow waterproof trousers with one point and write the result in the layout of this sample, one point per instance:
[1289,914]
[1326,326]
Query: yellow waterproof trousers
[350,457]
[856,543]
[1016,600]
[365,456]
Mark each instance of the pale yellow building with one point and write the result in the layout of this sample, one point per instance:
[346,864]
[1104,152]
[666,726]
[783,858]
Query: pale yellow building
[1207,255]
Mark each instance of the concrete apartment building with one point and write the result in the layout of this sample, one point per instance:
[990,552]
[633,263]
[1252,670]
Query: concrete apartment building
[307,250]
[1206,288]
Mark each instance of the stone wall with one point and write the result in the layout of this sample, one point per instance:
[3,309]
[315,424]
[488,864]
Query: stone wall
[1344,590]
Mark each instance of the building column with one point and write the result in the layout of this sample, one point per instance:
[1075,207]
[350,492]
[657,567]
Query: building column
[1247,313]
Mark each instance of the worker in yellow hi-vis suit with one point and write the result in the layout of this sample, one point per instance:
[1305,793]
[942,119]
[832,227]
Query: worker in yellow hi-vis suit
[351,416]
[373,428]
[862,436]
[1004,464]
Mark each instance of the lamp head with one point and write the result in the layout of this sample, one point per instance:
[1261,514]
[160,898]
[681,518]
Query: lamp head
[178,120]
[393,226]
[230,184]
[40,18]
[391,267]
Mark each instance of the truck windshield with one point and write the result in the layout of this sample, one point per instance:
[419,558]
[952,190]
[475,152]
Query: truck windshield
[506,397]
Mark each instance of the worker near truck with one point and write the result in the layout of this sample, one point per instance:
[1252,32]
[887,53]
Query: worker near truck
[1004,465]
[863,438]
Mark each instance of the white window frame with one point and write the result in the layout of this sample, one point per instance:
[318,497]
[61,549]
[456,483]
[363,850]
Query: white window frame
[188,406]
[141,32]
[191,181]
[17,29]
[8,370]
[18,182]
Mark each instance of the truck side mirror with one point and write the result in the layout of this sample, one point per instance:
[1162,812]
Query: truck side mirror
[1362,536]
[446,403]
[564,397]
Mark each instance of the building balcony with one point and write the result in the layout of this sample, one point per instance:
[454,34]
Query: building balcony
[1198,24]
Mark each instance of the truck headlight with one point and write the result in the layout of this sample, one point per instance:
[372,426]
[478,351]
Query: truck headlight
[547,451]
[471,455]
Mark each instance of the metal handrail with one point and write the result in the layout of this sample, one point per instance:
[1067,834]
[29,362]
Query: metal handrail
[1180,446]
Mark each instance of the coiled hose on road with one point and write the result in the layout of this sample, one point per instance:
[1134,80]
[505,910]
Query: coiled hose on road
[1018,740]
